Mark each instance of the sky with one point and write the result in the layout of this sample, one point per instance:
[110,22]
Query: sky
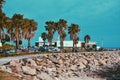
[98,18]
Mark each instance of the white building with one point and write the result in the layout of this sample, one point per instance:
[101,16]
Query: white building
[66,44]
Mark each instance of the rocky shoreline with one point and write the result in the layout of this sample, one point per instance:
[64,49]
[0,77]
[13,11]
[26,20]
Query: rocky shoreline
[67,66]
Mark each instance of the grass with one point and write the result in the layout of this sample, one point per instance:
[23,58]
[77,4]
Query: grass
[8,76]
[22,54]
[28,53]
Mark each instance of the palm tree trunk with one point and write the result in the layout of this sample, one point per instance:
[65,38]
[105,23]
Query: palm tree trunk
[17,45]
[28,44]
[44,43]
[61,44]
[73,46]
[50,43]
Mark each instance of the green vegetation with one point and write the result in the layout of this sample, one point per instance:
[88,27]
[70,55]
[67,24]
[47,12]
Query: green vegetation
[7,46]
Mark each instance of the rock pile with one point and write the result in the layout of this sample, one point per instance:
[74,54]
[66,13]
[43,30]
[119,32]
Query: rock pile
[79,66]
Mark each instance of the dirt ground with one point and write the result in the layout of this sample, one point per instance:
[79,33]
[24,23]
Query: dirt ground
[8,76]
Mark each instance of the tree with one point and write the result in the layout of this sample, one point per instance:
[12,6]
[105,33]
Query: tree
[87,39]
[94,47]
[1,3]
[61,27]
[15,29]
[82,45]
[28,29]
[50,27]
[10,29]
[73,30]
[44,37]
[6,39]
[2,24]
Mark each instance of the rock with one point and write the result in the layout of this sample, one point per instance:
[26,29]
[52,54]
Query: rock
[44,76]
[31,62]
[102,62]
[8,70]
[39,68]
[84,61]
[28,70]
[27,77]
[73,67]
[61,61]
[62,66]
[54,69]
[42,64]
[81,65]
[96,62]
[13,63]
[35,78]
[49,70]
[88,58]
[3,67]
[49,63]
[54,60]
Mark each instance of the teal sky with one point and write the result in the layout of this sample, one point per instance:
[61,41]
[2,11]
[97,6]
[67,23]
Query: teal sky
[98,18]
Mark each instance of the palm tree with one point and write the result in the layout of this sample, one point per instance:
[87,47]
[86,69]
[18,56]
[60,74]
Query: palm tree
[1,2]
[61,27]
[50,27]
[10,29]
[6,39]
[16,28]
[44,37]
[2,25]
[82,45]
[73,30]
[2,18]
[94,47]
[28,30]
[87,39]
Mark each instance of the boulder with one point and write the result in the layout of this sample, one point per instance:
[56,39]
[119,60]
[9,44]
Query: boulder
[42,64]
[81,65]
[49,70]
[29,70]
[102,62]
[73,67]
[31,62]
[35,78]
[16,69]
[54,60]
[8,70]
[3,67]
[61,61]
[27,77]
[84,61]
[13,63]
[96,62]
[44,76]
